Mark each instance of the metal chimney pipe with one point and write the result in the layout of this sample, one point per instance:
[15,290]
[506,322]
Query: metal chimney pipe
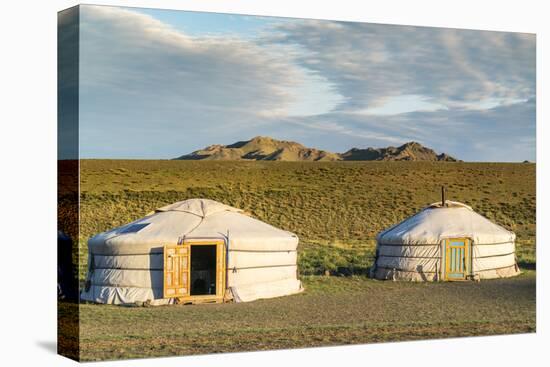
[442,195]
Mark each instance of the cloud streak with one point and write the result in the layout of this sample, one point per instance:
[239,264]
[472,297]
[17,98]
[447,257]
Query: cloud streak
[372,63]
[447,131]
[133,54]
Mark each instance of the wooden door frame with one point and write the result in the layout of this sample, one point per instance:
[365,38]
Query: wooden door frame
[467,258]
[220,270]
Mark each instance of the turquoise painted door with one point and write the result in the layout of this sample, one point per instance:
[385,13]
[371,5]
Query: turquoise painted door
[457,258]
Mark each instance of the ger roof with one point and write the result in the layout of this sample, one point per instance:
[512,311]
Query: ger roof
[198,207]
[437,222]
[193,218]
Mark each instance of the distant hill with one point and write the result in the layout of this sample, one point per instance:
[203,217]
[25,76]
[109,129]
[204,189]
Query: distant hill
[261,148]
[269,149]
[411,151]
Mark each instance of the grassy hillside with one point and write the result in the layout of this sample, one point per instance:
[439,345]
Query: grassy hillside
[336,208]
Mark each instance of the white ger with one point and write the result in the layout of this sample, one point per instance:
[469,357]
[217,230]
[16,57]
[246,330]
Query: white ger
[192,251]
[445,242]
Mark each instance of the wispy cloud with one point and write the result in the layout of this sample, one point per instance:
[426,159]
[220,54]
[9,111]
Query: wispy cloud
[371,63]
[132,54]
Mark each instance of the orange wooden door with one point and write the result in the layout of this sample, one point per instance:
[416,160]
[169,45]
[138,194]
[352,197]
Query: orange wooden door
[176,271]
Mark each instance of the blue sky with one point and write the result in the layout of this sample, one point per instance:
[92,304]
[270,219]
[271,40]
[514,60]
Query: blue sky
[200,24]
[162,83]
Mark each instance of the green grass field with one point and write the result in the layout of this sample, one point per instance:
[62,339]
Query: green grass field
[336,209]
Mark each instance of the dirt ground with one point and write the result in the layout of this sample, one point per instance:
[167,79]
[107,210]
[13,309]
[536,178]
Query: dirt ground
[332,311]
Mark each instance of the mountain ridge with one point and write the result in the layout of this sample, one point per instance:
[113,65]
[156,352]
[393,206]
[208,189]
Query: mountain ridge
[263,148]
